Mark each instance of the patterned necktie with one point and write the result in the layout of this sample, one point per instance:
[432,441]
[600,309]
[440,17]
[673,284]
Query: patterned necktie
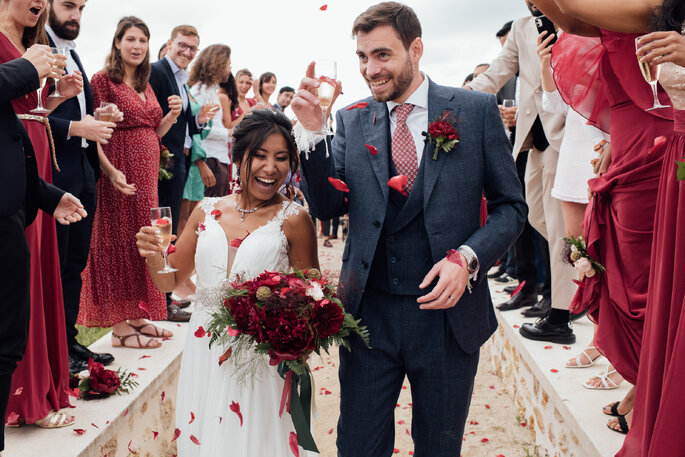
[403,146]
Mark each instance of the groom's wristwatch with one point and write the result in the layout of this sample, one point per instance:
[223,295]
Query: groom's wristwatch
[472,263]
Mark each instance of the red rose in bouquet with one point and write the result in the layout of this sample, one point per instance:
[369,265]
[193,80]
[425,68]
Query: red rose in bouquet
[101,380]
[328,317]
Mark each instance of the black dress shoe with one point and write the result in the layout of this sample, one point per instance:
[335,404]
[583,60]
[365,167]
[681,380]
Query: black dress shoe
[176,314]
[539,309]
[542,330]
[80,352]
[518,301]
[77,365]
[510,289]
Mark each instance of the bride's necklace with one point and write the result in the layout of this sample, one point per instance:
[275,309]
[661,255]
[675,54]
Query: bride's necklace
[246,212]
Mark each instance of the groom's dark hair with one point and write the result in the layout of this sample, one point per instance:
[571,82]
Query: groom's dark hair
[400,17]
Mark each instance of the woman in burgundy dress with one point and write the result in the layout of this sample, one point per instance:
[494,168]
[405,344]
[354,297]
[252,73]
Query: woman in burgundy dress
[40,380]
[117,290]
[604,83]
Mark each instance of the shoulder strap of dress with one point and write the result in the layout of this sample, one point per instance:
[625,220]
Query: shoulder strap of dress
[207,204]
[290,208]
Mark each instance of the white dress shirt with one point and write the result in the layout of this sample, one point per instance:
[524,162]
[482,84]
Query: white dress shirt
[417,121]
[70,45]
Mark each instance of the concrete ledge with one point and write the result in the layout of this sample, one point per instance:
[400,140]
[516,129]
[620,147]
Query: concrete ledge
[565,417]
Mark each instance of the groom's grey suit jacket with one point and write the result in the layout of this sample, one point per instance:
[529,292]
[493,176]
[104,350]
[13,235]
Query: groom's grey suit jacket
[449,205]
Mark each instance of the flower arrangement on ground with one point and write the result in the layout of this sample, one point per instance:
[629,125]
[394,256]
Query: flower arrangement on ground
[287,317]
[99,382]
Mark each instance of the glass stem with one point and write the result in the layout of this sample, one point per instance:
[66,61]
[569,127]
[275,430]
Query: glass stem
[655,92]
[323,120]
[166,260]
[40,98]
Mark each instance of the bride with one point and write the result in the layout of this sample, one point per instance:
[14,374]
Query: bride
[216,413]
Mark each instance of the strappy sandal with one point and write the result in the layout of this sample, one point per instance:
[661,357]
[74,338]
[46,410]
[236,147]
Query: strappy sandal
[55,419]
[122,342]
[613,409]
[578,359]
[607,382]
[159,332]
[622,424]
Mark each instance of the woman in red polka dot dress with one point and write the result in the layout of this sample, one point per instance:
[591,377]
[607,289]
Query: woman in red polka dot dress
[117,290]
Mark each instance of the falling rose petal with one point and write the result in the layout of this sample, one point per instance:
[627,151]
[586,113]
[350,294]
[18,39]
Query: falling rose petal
[298,178]
[144,357]
[323,7]
[554,370]
[162,221]
[194,440]
[177,433]
[359,105]
[143,307]
[492,387]
[201,228]
[395,451]
[659,143]
[330,432]
[454,257]
[125,413]
[372,149]
[401,421]
[515,326]
[484,440]
[399,183]
[200,332]
[192,417]
[94,425]
[406,430]
[338,184]
[12,418]
[129,447]
[293,444]
[404,387]
[487,406]
[163,395]
[171,249]
[220,419]
[19,391]
[373,121]
[155,435]
[225,356]
[80,431]
[235,407]
[518,289]
[216,213]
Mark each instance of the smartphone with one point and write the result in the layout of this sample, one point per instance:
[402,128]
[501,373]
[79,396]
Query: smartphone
[545,24]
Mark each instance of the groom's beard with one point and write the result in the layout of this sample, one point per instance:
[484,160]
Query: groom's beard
[60,28]
[400,84]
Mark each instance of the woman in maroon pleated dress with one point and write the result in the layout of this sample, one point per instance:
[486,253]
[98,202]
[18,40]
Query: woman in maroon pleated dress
[604,83]
[40,380]
[117,290]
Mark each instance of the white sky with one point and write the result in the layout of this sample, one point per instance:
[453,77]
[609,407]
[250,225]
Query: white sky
[284,36]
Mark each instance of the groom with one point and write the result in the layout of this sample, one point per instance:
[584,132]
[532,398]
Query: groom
[397,275]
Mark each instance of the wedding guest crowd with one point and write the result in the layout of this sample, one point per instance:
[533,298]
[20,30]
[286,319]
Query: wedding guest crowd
[597,154]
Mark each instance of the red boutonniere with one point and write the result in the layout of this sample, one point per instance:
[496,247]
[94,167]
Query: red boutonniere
[442,132]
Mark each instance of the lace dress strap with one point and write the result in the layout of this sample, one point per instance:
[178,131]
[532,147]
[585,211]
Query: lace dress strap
[207,204]
[290,208]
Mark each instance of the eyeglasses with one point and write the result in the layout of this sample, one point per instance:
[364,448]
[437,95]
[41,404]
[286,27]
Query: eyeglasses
[184,47]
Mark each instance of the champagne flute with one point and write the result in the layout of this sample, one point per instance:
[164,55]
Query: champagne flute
[210,105]
[326,73]
[161,220]
[650,71]
[508,103]
[60,66]
[40,109]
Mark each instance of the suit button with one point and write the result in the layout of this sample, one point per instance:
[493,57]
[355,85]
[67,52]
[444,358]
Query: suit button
[391,238]
[395,281]
[365,264]
[528,111]
[376,224]
[393,260]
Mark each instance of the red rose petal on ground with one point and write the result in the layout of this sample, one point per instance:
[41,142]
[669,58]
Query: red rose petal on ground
[492,387]
[293,444]
[357,106]
[395,451]
[144,357]
[548,347]
[554,370]
[401,421]
[163,395]
[235,407]
[404,387]
[515,326]
[523,424]
[327,392]
[473,422]
[125,413]
[129,447]
[371,149]
[155,435]
[411,452]
[194,440]
[484,440]
[216,213]
[323,7]
[330,432]
[518,289]
[406,430]
[141,368]
[177,433]
[568,348]
[200,332]
[192,417]
[487,406]
[80,431]
[19,391]
[399,183]
[454,257]
[94,425]
[338,184]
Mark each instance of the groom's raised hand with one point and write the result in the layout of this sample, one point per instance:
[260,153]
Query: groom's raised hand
[305,104]
[450,286]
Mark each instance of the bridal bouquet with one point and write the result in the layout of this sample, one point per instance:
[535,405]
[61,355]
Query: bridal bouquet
[287,317]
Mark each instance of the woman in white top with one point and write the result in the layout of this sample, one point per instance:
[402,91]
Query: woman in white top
[212,67]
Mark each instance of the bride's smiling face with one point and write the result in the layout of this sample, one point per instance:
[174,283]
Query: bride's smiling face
[269,168]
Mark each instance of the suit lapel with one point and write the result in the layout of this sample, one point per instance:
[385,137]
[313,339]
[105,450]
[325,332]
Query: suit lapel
[86,84]
[376,132]
[170,76]
[440,99]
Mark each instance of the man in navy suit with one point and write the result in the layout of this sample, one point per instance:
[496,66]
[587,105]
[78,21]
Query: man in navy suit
[23,193]
[76,134]
[410,254]
[168,79]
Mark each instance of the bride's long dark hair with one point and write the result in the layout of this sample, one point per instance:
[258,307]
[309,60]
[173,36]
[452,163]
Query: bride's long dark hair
[670,16]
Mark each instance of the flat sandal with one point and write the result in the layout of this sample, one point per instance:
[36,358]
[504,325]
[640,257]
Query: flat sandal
[122,342]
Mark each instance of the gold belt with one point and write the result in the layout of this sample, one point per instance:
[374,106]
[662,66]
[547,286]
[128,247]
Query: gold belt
[43,120]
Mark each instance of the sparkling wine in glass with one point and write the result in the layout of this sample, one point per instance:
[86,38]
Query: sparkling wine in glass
[59,67]
[508,103]
[650,71]
[210,105]
[40,109]
[105,112]
[326,73]
[160,218]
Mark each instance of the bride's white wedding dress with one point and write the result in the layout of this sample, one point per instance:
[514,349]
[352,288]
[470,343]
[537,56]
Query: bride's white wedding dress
[206,390]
